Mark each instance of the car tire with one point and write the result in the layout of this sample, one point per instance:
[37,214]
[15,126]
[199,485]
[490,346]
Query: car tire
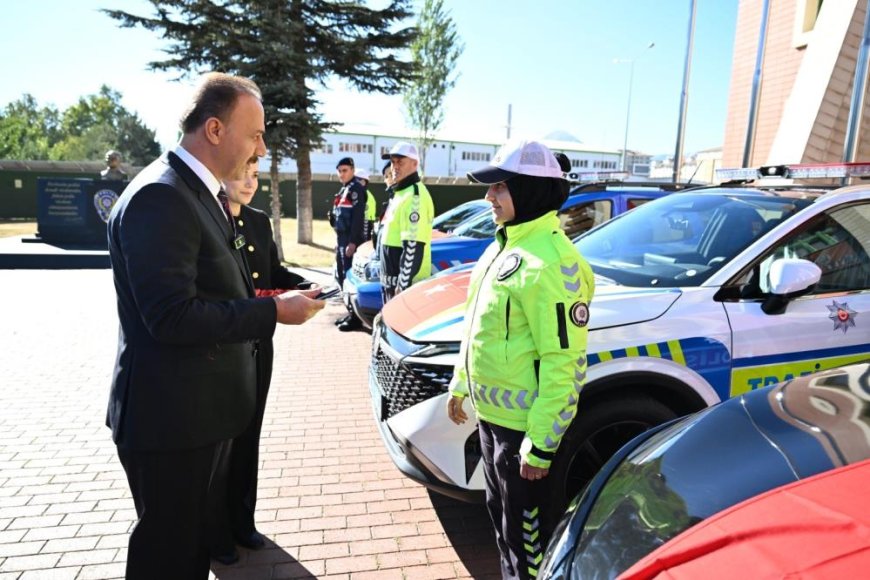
[598,431]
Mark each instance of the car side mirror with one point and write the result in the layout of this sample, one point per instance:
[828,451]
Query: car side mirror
[789,278]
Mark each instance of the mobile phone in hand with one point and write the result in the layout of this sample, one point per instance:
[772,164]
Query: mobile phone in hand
[327,293]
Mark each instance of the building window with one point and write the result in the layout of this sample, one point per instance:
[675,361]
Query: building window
[475,156]
[325,149]
[355,148]
[579,163]
[806,14]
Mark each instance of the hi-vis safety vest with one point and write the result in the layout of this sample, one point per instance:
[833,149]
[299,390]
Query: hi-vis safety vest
[408,218]
[523,355]
[371,207]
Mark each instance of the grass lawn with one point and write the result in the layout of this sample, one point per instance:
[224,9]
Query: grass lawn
[319,254]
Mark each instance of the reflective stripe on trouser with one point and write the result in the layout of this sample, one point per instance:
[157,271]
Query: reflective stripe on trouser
[516,506]
[342,262]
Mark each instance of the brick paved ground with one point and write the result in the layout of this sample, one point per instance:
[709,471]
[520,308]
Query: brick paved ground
[332,503]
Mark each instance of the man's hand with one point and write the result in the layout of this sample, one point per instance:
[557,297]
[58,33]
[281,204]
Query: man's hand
[530,472]
[349,250]
[297,306]
[454,410]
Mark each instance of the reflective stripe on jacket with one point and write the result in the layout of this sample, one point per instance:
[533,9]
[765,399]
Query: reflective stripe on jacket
[523,355]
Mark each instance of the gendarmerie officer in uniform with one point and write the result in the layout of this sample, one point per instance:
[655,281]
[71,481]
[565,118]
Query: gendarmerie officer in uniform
[233,514]
[347,218]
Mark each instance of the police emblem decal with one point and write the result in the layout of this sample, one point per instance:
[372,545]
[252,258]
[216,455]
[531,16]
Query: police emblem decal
[842,316]
[414,217]
[509,265]
[104,200]
[580,314]
[353,195]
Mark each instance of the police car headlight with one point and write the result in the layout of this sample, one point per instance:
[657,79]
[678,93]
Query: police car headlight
[373,271]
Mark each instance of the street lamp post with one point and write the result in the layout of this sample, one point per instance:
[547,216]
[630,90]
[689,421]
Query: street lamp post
[628,108]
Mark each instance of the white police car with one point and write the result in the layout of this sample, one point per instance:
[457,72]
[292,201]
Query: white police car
[701,295]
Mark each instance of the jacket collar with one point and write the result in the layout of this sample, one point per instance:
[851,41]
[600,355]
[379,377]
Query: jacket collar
[511,235]
[407,182]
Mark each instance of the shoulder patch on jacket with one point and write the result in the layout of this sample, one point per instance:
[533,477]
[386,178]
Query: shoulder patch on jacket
[580,314]
[509,265]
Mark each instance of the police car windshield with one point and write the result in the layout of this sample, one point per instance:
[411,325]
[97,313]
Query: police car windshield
[682,239]
[452,218]
[479,227]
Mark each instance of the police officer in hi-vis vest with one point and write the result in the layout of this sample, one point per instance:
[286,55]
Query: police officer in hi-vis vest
[405,236]
[523,353]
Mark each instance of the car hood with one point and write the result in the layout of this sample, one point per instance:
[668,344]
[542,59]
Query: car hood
[433,310]
[668,480]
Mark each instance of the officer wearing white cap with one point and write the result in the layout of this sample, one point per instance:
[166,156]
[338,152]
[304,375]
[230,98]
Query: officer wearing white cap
[523,355]
[405,236]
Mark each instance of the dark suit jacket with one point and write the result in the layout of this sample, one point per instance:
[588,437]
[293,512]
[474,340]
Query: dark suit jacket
[185,373]
[262,253]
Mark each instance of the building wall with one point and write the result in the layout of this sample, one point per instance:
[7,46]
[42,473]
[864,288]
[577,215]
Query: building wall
[781,62]
[809,66]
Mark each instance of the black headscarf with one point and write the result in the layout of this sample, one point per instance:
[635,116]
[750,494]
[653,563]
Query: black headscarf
[535,196]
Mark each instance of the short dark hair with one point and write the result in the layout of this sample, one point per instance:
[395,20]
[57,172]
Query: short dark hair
[386,168]
[216,96]
[345,161]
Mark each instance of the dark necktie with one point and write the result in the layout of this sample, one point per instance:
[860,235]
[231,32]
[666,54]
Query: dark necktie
[225,203]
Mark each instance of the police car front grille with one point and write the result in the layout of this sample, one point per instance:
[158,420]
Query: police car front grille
[404,386]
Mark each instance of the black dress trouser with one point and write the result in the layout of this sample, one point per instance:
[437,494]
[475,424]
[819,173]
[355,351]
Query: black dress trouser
[516,506]
[170,490]
[234,495]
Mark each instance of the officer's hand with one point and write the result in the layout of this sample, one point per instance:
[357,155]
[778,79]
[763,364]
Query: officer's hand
[454,410]
[530,472]
[349,250]
[297,306]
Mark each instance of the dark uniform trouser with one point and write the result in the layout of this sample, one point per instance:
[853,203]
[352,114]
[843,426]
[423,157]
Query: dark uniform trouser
[234,496]
[170,490]
[342,262]
[516,505]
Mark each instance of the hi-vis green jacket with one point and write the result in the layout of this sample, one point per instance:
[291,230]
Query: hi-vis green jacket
[523,355]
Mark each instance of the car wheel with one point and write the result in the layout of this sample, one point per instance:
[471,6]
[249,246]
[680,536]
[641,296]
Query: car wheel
[595,435]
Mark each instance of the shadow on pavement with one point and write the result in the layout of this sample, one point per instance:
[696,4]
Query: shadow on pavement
[470,533]
[269,562]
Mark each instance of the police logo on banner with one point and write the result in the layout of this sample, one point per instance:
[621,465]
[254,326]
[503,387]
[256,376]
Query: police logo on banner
[509,265]
[104,200]
[414,217]
[580,314]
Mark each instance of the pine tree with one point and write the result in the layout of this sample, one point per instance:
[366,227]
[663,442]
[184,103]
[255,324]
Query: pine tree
[289,48]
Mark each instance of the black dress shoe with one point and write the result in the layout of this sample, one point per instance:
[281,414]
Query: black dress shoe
[343,319]
[253,542]
[349,325]
[227,559]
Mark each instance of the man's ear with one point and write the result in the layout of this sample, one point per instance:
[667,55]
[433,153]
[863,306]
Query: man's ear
[214,130]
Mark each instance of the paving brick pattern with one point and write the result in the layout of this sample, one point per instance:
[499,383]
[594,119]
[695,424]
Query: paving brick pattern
[332,503]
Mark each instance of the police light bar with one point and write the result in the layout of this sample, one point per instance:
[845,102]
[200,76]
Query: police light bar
[806,171]
[598,176]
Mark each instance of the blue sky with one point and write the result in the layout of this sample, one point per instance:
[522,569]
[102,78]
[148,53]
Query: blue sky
[552,60]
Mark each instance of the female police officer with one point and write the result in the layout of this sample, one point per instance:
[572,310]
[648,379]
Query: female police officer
[523,356]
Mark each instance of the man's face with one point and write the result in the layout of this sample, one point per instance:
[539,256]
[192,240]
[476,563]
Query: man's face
[345,173]
[243,137]
[402,167]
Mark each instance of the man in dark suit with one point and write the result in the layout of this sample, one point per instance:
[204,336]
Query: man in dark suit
[185,375]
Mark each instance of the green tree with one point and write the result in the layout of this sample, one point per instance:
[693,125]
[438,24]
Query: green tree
[28,131]
[435,52]
[288,47]
[83,132]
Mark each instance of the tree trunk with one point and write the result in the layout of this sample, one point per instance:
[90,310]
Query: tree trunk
[275,206]
[304,212]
